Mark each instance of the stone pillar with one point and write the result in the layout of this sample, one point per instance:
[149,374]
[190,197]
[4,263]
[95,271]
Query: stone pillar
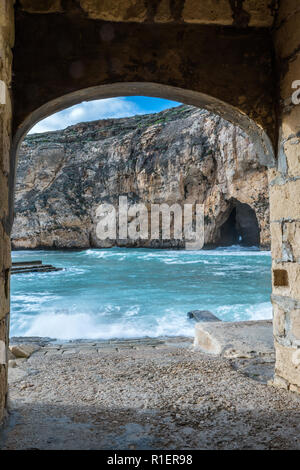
[285,202]
[6,43]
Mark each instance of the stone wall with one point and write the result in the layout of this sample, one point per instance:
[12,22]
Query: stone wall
[6,43]
[223,12]
[285,204]
[229,64]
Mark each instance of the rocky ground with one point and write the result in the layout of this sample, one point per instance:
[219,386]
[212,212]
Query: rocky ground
[150,394]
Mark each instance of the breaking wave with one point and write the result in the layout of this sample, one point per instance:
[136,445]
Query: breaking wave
[134,293]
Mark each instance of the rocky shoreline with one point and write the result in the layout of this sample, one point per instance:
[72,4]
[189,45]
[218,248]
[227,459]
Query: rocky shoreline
[238,339]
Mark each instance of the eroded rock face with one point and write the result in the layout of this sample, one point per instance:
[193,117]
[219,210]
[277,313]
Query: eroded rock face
[182,155]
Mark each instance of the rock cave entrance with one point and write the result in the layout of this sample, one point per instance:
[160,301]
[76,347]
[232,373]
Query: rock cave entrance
[241,227]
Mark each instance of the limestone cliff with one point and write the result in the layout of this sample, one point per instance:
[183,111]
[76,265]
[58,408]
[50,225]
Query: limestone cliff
[183,155]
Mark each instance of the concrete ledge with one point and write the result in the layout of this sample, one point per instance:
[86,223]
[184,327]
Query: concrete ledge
[235,339]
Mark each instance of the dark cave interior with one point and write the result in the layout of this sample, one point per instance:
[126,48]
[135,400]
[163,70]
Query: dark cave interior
[241,227]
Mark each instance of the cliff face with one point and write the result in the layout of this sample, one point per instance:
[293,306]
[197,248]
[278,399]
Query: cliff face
[183,155]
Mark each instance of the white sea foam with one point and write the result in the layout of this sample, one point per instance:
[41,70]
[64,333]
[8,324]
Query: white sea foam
[81,325]
[241,312]
[261,311]
[67,326]
[98,297]
[199,261]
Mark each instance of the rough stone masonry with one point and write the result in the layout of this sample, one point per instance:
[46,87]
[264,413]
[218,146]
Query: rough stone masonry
[284,183]
[6,43]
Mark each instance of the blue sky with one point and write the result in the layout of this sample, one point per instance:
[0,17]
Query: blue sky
[103,109]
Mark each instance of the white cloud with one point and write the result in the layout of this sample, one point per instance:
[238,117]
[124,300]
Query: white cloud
[77,112]
[88,111]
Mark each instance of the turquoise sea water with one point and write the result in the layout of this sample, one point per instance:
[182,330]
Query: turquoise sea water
[129,293]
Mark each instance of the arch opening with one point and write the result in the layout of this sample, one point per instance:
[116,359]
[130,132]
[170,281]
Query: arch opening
[43,158]
[72,302]
[256,133]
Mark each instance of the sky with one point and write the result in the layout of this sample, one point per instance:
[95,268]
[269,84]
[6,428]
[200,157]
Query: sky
[102,109]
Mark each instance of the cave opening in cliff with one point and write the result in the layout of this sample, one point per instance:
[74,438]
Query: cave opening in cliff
[241,227]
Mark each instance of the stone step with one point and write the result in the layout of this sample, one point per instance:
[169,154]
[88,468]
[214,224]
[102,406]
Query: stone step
[34,268]
[26,263]
[235,339]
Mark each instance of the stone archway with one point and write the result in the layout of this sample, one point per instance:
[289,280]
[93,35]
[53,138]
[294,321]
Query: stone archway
[247,59]
[256,133]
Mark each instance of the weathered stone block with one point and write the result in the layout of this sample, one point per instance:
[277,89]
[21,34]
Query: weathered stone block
[41,6]
[4,293]
[273,174]
[290,74]
[3,364]
[3,192]
[295,323]
[290,138]
[220,12]
[207,12]
[23,350]
[278,320]
[115,10]
[5,132]
[234,339]
[291,234]
[291,149]
[163,12]
[286,320]
[279,382]
[285,200]
[285,241]
[287,8]
[288,36]
[261,14]
[288,363]
[6,24]
[276,240]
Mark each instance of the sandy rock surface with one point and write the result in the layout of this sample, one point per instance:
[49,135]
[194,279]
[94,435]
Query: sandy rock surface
[146,394]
